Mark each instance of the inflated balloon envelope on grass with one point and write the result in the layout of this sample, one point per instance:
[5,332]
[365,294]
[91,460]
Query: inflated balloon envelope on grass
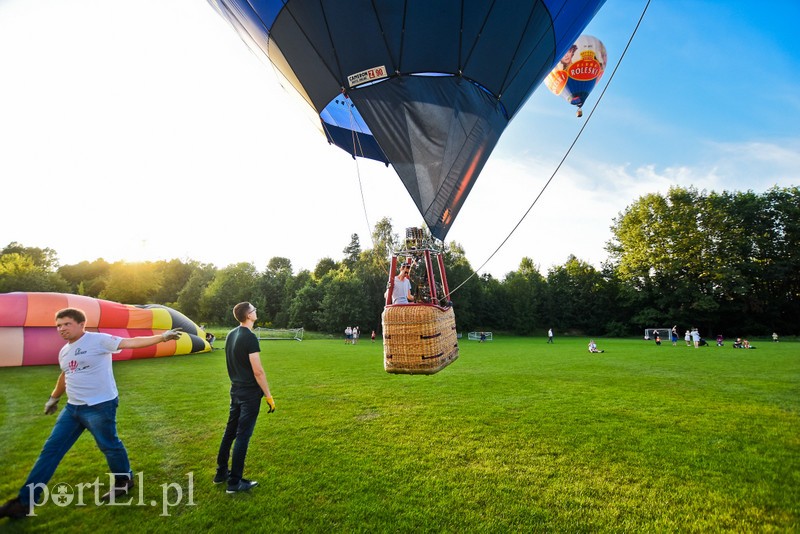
[29,337]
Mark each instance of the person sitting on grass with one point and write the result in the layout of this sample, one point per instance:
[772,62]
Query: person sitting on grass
[593,346]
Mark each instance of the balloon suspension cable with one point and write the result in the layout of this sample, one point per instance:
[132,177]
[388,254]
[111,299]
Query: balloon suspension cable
[566,154]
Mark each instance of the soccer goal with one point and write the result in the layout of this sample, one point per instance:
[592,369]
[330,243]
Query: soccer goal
[476,336]
[276,334]
[663,333]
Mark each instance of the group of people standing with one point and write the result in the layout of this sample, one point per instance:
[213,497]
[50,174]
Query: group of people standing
[692,337]
[351,335]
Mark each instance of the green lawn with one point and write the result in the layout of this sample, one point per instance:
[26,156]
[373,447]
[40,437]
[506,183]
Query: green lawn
[515,436]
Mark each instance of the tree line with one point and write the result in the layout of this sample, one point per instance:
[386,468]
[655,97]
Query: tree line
[725,262]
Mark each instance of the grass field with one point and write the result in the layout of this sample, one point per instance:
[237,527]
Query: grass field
[515,436]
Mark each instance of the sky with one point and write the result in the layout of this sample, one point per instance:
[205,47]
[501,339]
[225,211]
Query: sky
[148,130]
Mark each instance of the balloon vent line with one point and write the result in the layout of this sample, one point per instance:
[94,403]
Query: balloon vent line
[356,150]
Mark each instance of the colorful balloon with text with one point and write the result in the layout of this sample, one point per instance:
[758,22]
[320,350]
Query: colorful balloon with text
[578,71]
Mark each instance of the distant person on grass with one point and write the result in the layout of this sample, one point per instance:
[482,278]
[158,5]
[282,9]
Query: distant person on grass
[550,335]
[593,347]
[248,385]
[92,400]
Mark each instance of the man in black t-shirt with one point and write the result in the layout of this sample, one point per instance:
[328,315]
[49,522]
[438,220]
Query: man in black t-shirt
[248,385]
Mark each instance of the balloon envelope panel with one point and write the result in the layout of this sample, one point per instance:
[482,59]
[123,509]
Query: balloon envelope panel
[12,339]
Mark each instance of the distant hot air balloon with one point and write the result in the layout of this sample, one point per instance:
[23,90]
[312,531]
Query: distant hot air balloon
[426,86]
[578,71]
[28,334]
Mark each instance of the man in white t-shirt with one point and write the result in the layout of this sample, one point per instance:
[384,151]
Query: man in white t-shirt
[92,401]
[401,293]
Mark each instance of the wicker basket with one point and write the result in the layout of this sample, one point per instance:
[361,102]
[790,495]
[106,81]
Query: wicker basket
[418,338]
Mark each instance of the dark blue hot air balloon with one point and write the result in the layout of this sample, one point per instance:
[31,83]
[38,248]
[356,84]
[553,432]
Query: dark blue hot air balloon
[427,86]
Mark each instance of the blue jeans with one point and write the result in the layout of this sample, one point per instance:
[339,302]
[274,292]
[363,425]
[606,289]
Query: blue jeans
[101,421]
[242,417]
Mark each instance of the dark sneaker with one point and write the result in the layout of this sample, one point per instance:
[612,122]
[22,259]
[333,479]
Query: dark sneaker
[120,489]
[13,509]
[221,476]
[243,485]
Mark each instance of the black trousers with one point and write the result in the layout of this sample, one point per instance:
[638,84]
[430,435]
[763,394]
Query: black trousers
[245,406]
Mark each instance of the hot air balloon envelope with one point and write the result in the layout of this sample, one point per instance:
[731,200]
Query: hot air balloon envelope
[427,86]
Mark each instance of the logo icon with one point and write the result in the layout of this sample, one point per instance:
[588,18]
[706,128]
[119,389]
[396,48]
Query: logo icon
[62,494]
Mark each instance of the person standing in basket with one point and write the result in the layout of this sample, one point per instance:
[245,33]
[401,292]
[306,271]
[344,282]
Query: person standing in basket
[248,385]
[401,293]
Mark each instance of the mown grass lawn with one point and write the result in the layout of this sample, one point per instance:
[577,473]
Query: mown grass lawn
[515,436]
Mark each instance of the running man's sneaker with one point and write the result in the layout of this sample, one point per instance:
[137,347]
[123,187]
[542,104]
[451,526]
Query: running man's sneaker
[13,509]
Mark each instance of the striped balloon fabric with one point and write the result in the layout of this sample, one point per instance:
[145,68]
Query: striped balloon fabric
[28,334]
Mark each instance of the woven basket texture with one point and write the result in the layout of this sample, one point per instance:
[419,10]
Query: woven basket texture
[418,338]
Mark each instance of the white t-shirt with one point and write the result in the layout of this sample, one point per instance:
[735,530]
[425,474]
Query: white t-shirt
[401,290]
[87,368]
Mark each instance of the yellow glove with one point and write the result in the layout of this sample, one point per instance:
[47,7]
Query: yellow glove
[271,403]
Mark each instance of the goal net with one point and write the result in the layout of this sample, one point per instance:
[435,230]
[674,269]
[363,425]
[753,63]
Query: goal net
[273,334]
[663,333]
[476,336]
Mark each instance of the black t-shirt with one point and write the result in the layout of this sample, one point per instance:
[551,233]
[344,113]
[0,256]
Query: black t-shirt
[239,345]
